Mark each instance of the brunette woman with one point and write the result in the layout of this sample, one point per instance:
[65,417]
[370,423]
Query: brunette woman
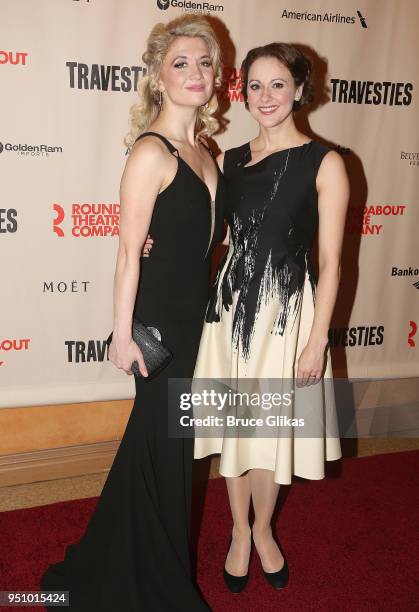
[268,317]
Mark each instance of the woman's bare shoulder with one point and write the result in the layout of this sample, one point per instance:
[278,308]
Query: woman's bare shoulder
[149,150]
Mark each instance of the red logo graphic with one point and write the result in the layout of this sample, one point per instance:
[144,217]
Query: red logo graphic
[58,220]
[413,330]
[361,219]
[232,83]
[13,57]
[14,345]
[89,220]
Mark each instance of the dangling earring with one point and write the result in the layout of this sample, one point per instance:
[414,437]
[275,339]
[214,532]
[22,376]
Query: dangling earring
[160,99]
[205,107]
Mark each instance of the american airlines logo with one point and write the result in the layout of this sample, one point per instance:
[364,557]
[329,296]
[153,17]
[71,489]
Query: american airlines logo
[325,17]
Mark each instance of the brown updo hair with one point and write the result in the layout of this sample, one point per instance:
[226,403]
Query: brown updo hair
[296,62]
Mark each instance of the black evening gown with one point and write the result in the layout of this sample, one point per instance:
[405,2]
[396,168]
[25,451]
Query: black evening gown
[135,553]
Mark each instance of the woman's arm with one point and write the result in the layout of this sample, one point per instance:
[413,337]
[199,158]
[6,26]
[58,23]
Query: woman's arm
[333,195]
[141,182]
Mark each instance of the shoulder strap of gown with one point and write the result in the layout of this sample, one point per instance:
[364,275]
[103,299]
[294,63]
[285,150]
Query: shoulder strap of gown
[168,144]
[206,145]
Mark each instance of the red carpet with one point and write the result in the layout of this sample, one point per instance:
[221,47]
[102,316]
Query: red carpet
[351,541]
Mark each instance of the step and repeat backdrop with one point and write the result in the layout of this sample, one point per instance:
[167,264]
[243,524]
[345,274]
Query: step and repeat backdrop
[68,75]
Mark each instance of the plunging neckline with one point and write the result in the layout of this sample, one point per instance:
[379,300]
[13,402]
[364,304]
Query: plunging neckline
[249,153]
[175,152]
[204,184]
[200,179]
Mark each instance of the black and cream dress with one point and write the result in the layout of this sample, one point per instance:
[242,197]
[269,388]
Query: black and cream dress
[261,309]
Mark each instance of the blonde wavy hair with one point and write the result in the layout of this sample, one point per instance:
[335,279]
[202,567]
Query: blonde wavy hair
[158,43]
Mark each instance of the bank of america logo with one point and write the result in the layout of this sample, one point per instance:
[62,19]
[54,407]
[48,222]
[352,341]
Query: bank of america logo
[163,4]
[362,19]
[416,284]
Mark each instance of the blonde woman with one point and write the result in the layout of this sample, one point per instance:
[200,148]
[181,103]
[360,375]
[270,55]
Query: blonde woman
[135,552]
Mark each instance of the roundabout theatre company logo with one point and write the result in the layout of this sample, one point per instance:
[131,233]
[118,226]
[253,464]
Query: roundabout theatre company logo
[88,220]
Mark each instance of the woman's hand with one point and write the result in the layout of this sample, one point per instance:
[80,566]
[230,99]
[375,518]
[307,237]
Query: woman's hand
[311,364]
[147,246]
[123,354]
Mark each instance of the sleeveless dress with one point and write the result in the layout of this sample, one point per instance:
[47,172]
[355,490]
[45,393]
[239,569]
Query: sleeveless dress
[135,553]
[261,311]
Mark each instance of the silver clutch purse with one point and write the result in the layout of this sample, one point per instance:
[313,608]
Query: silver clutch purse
[148,339]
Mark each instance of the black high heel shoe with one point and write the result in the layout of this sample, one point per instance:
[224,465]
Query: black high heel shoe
[236,584]
[278,579]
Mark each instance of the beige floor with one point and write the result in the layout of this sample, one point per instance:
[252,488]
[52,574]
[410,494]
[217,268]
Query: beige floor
[41,493]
